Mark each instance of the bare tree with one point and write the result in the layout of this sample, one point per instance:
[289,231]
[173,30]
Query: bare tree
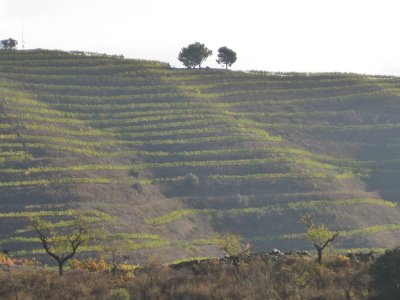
[61,244]
[117,254]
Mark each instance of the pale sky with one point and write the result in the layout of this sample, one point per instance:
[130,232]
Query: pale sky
[361,36]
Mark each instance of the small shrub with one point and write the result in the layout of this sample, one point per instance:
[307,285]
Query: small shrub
[6,261]
[386,276]
[119,294]
[134,173]
[231,243]
[341,261]
[90,264]
[138,186]
[242,200]
[191,180]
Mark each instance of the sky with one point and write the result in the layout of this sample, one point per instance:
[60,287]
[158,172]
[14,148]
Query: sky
[360,36]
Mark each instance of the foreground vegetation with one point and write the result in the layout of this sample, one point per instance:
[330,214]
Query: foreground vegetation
[255,276]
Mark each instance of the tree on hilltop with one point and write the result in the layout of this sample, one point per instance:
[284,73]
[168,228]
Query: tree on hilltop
[193,55]
[226,56]
[8,44]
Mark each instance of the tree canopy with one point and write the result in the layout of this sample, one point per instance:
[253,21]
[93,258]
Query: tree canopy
[231,243]
[8,44]
[226,56]
[320,235]
[194,54]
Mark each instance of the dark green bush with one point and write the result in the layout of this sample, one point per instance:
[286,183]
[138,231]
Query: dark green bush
[134,173]
[138,186]
[385,274]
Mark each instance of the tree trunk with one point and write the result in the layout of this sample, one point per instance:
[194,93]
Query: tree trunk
[319,255]
[348,291]
[16,293]
[226,66]
[60,268]
[348,295]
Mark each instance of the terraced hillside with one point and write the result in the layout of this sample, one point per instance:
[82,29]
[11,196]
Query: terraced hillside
[168,157]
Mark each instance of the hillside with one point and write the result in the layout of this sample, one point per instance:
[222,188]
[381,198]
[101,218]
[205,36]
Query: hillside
[128,139]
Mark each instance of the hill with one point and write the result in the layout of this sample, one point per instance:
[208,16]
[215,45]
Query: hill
[168,157]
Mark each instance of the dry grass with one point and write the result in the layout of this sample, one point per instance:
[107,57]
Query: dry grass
[272,278]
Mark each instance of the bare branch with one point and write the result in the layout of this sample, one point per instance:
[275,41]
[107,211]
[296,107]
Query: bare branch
[330,240]
[52,242]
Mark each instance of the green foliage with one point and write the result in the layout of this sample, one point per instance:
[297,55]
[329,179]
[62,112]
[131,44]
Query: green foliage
[320,236]
[226,56]
[297,205]
[385,275]
[177,214]
[9,44]
[365,231]
[340,202]
[193,55]
[266,176]
[61,244]
[99,242]
[101,216]
[71,180]
[368,230]
[230,243]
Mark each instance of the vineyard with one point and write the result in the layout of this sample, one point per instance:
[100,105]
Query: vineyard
[166,158]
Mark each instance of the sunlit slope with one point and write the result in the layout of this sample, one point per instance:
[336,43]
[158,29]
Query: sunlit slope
[121,137]
[53,163]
